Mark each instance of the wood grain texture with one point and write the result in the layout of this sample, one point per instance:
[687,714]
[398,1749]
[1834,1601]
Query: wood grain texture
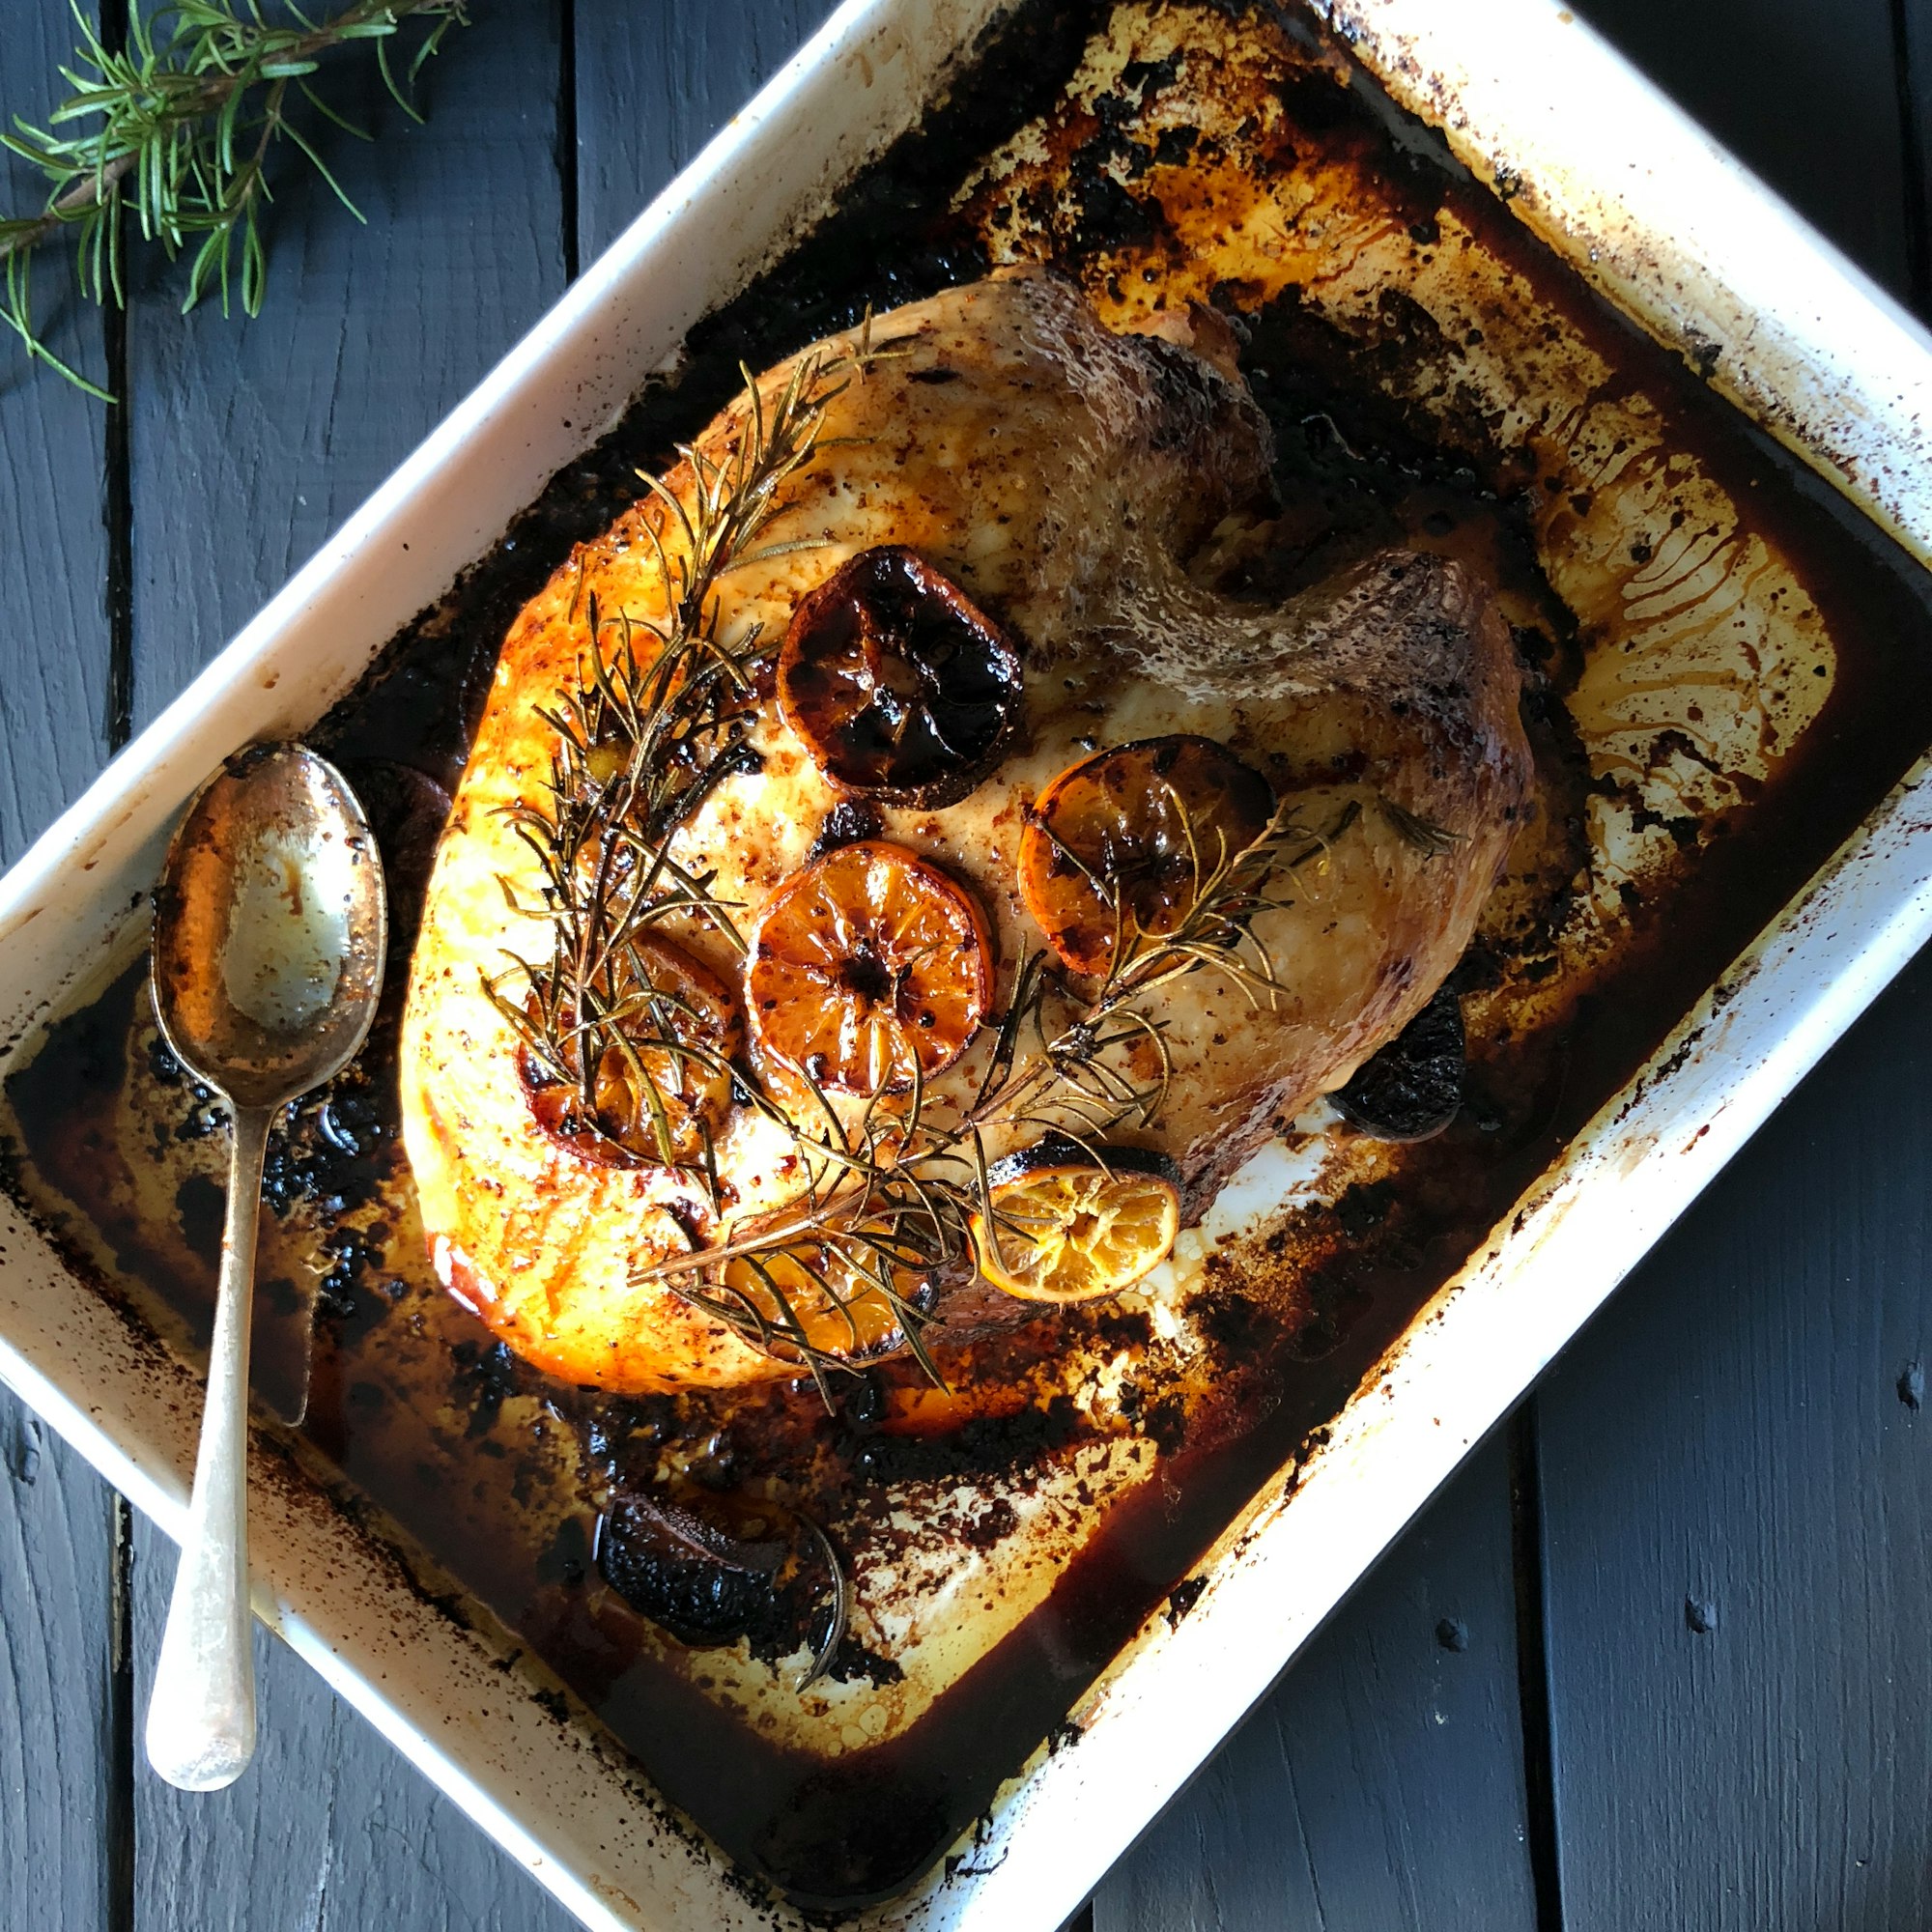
[329,1830]
[56,1761]
[1803,91]
[250,442]
[1380,1786]
[655,83]
[1737,1503]
[56,1516]
[53,587]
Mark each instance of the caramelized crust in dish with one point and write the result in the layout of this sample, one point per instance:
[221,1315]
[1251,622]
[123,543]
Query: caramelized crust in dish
[1063,479]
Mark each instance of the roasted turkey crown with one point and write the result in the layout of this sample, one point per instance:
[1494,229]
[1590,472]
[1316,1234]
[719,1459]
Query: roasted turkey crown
[974,587]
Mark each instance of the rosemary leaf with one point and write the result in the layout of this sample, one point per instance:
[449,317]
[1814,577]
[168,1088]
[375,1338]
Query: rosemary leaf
[177,129]
[1428,838]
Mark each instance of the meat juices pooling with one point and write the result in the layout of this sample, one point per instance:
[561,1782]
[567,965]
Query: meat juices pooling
[1064,477]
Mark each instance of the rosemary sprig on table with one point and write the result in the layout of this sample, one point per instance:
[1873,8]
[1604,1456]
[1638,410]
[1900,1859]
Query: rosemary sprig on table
[177,127]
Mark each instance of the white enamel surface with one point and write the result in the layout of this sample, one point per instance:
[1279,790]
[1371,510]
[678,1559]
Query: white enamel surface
[1674,231]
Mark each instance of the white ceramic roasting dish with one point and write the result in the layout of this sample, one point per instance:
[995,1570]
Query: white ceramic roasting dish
[1659,219]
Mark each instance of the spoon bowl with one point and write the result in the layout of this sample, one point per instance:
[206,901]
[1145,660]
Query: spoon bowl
[270,926]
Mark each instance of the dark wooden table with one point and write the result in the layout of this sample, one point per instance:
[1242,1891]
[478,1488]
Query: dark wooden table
[1661,1655]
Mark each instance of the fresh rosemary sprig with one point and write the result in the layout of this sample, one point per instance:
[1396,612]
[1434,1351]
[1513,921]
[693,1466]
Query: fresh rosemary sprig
[178,126]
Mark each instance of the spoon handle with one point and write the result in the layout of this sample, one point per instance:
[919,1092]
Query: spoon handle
[201,1718]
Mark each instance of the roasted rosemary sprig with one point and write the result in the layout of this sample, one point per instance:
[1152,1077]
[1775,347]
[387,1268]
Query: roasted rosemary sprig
[660,715]
[177,126]
[1428,838]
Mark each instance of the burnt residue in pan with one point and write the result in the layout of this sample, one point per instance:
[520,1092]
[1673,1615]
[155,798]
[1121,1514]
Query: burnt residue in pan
[590,1526]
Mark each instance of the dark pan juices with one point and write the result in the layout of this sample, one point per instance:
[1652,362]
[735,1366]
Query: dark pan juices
[586,1526]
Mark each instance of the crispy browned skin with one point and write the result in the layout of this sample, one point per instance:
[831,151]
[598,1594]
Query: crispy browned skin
[1063,476]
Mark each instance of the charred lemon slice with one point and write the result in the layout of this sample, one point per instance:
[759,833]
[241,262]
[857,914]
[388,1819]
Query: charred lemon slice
[1069,1225]
[1119,845]
[843,1300]
[659,1031]
[902,690]
[868,968]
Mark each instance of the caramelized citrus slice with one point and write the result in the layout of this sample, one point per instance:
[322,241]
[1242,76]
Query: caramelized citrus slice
[1070,1225]
[663,1030]
[828,1298]
[1119,845]
[867,967]
[901,688]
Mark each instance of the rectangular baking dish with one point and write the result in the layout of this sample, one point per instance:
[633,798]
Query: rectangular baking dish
[1648,209]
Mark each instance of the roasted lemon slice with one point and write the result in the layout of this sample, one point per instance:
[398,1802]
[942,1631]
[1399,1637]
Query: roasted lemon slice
[661,1032]
[826,1299]
[1069,1225]
[868,969]
[901,688]
[1119,845]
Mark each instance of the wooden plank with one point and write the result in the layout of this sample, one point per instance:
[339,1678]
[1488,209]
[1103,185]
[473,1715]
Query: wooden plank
[53,591]
[1739,1526]
[1801,90]
[249,442]
[330,1829]
[1380,1786]
[654,85]
[252,440]
[59,1785]
[57,1771]
[1912,48]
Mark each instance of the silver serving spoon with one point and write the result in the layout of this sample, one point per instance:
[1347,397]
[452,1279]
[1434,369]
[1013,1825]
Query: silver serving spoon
[269,929]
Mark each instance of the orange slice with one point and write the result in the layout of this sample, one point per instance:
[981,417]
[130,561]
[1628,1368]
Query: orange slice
[1119,845]
[663,1030]
[868,968]
[1070,1225]
[842,1300]
[901,688]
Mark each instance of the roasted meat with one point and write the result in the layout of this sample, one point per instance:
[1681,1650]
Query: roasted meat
[1027,492]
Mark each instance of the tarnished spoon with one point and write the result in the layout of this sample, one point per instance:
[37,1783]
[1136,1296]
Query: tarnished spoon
[269,928]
